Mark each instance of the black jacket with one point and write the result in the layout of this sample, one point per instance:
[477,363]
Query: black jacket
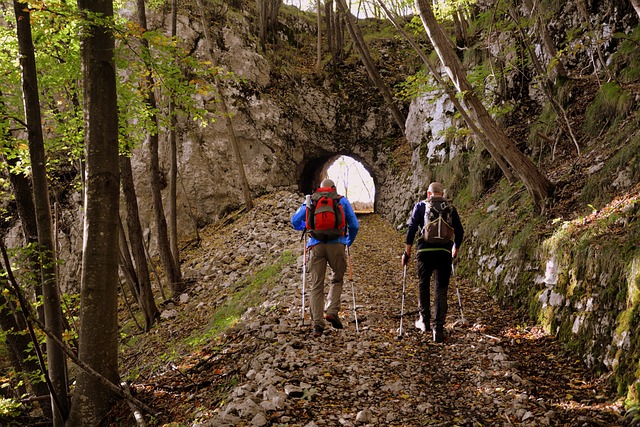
[416,223]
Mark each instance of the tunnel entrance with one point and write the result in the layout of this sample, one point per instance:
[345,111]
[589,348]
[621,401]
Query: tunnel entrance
[352,179]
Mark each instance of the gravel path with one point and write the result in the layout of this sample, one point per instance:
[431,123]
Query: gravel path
[492,370]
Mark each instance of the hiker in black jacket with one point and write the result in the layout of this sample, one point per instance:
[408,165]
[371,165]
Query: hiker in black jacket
[439,242]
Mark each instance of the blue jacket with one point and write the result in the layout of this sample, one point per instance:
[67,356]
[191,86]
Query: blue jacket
[299,222]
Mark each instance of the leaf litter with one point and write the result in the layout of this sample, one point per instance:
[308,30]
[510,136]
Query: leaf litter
[494,369]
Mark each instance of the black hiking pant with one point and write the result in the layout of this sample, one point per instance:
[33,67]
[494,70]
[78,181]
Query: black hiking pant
[430,261]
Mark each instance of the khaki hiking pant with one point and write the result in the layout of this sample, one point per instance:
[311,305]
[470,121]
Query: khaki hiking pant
[321,255]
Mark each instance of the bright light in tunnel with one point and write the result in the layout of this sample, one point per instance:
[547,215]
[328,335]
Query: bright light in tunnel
[353,181]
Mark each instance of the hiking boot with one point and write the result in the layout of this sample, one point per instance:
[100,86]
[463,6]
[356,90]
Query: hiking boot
[438,334]
[421,325]
[317,331]
[334,320]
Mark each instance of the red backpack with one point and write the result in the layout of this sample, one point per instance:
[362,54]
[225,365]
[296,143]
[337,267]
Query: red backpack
[325,217]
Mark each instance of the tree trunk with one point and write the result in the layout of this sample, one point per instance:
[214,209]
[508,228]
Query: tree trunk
[147,301]
[545,37]
[319,38]
[52,308]
[262,20]
[338,31]
[547,84]
[169,263]
[537,185]
[274,11]
[246,191]
[173,171]
[126,263]
[98,334]
[268,11]
[328,23]
[360,45]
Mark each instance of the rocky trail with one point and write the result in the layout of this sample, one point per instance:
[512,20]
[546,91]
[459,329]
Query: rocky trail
[268,369]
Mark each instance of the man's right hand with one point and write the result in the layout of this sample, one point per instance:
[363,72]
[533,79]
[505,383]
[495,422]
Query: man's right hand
[405,258]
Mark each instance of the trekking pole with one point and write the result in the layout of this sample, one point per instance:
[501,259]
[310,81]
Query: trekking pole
[307,202]
[455,280]
[353,290]
[304,270]
[404,284]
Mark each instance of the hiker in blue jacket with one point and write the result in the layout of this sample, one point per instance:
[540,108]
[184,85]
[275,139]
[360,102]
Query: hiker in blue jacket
[433,256]
[331,252]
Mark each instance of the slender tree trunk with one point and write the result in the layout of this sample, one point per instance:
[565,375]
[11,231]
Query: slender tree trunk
[452,96]
[358,41]
[338,31]
[541,27]
[98,335]
[126,263]
[147,301]
[319,38]
[328,20]
[274,11]
[52,308]
[547,84]
[170,265]
[262,21]
[173,171]
[537,185]
[246,192]
[584,11]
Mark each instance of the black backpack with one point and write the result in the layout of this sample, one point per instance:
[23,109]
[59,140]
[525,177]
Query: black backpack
[438,220]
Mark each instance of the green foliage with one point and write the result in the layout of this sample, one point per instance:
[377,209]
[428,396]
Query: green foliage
[611,104]
[416,85]
[446,10]
[56,31]
[9,408]
[625,61]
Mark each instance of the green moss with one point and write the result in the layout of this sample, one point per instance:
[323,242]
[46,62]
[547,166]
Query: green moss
[597,189]
[246,293]
[611,104]
[625,62]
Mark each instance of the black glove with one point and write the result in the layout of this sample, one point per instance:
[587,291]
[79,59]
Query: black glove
[405,258]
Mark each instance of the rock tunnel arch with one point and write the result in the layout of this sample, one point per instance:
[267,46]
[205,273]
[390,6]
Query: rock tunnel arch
[317,168]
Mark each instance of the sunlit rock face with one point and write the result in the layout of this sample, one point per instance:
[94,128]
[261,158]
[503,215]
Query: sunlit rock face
[288,130]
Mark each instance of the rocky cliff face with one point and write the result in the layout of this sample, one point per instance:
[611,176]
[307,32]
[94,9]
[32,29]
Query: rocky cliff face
[289,130]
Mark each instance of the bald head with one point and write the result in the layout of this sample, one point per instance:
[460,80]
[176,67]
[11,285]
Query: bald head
[327,183]
[436,189]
